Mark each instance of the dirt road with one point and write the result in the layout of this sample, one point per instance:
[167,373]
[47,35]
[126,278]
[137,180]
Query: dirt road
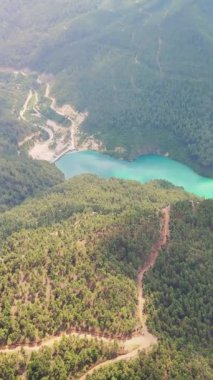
[133,346]
[24,108]
[147,340]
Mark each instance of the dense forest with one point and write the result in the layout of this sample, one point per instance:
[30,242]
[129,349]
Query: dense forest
[179,294]
[141,69]
[180,286]
[69,261]
[72,356]
[89,193]
[21,178]
[67,359]
[72,252]
[164,362]
[89,236]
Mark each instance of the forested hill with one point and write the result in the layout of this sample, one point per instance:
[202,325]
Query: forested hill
[69,260]
[90,234]
[92,267]
[182,279]
[88,192]
[141,68]
[179,293]
[20,177]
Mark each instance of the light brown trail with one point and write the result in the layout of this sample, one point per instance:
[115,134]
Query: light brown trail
[133,346]
[147,340]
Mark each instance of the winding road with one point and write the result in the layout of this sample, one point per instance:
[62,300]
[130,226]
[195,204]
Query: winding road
[133,346]
[24,108]
[67,142]
[149,338]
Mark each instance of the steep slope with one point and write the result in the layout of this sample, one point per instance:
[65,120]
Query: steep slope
[179,304]
[90,235]
[20,177]
[181,282]
[88,192]
[69,263]
[140,68]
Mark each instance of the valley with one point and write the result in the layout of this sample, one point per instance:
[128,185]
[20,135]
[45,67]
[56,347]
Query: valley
[163,105]
[106,190]
[53,138]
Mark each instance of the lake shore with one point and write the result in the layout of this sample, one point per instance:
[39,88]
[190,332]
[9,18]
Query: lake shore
[62,140]
[144,169]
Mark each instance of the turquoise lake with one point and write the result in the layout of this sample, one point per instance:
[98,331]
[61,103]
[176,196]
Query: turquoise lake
[143,169]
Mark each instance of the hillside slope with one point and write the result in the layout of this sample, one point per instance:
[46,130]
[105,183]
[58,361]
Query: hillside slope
[20,177]
[89,235]
[179,304]
[69,262]
[142,69]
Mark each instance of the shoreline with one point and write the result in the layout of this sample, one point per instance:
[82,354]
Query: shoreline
[144,169]
[69,150]
[90,143]
[109,154]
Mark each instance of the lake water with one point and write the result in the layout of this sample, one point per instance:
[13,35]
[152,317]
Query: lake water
[143,169]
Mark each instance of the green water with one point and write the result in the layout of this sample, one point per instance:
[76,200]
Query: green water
[143,169]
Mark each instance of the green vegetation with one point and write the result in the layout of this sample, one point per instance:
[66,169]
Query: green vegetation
[35,26]
[165,362]
[95,254]
[13,92]
[70,254]
[66,277]
[142,69]
[146,86]
[20,177]
[69,261]
[179,291]
[68,358]
[89,193]
[180,285]
[50,114]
